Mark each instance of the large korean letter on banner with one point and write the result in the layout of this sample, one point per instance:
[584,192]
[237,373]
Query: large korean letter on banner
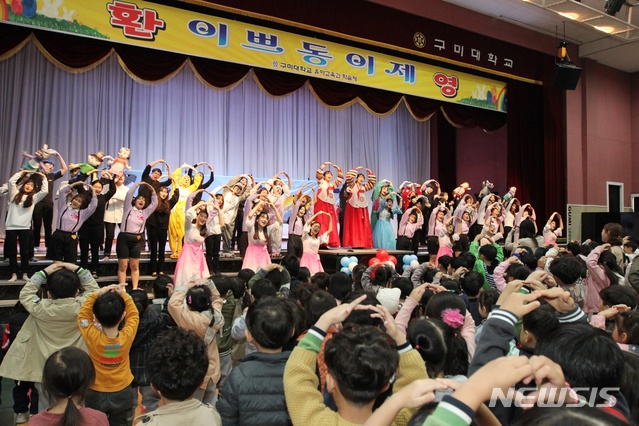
[166,28]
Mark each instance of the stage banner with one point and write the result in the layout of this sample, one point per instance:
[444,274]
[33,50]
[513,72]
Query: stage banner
[156,26]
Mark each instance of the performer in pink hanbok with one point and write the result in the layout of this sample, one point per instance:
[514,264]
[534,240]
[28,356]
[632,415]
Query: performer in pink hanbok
[311,239]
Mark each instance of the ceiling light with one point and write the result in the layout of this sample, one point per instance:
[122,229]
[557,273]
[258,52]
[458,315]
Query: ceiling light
[605,29]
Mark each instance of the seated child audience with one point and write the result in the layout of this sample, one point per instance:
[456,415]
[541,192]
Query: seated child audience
[67,378]
[196,306]
[52,323]
[254,391]
[151,325]
[25,395]
[360,362]
[109,349]
[178,363]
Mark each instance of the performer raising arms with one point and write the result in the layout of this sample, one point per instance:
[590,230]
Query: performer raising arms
[176,220]
[311,239]
[357,225]
[326,199]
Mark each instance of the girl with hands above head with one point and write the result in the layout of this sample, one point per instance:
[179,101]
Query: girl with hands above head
[312,240]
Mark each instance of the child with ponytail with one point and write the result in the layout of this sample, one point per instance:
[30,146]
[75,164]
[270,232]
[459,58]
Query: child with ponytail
[603,272]
[441,346]
[202,314]
[66,379]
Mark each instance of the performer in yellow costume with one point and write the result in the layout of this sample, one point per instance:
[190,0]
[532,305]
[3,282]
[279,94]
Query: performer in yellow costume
[176,220]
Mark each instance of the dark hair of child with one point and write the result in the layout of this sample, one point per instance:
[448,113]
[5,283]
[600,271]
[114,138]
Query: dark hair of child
[304,292]
[429,275]
[529,260]
[451,285]
[262,288]
[141,300]
[381,275]
[459,262]
[291,263]
[358,271]
[300,320]
[608,261]
[568,269]
[601,365]
[362,362]
[362,317]
[276,277]
[223,284]
[320,302]
[628,386]
[541,322]
[573,248]
[443,349]
[404,285]
[340,285]
[239,288]
[108,309]
[304,274]
[321,280]
[63,283]
[615,230]
[444,300]
[489,252]
[619,295]
[68,373]
[177,363]
[198,298]
[245,275]
[628,323]
[471,283]
[517,271]
[160,290]
[444,261]
[487,299]
[271,322]
[469,258]
[632,245]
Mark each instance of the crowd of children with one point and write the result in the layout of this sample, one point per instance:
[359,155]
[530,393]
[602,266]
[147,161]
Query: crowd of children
[498,326]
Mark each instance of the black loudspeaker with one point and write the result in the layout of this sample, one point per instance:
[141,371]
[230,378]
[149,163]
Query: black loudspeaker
[566,75]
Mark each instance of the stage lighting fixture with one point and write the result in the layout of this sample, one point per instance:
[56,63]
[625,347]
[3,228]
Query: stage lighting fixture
[613,6]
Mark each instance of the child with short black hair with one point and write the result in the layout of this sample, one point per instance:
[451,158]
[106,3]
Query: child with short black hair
[340,285]
[178,364]
[223,338]
[360,362]
[109,349]
[270,324]
[152,324]
[472,283]
[52,322]
[67,377]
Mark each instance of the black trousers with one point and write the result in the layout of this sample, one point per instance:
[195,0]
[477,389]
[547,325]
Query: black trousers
[212,245]
[157,247]
[11,249]
[91,238]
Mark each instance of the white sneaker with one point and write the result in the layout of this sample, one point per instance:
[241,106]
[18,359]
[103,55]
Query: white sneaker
[22,418]
[106,258]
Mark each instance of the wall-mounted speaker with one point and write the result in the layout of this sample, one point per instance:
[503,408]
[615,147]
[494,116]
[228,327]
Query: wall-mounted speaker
[566,75]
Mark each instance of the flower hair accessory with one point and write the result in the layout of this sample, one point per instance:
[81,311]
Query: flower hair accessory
[453,317]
